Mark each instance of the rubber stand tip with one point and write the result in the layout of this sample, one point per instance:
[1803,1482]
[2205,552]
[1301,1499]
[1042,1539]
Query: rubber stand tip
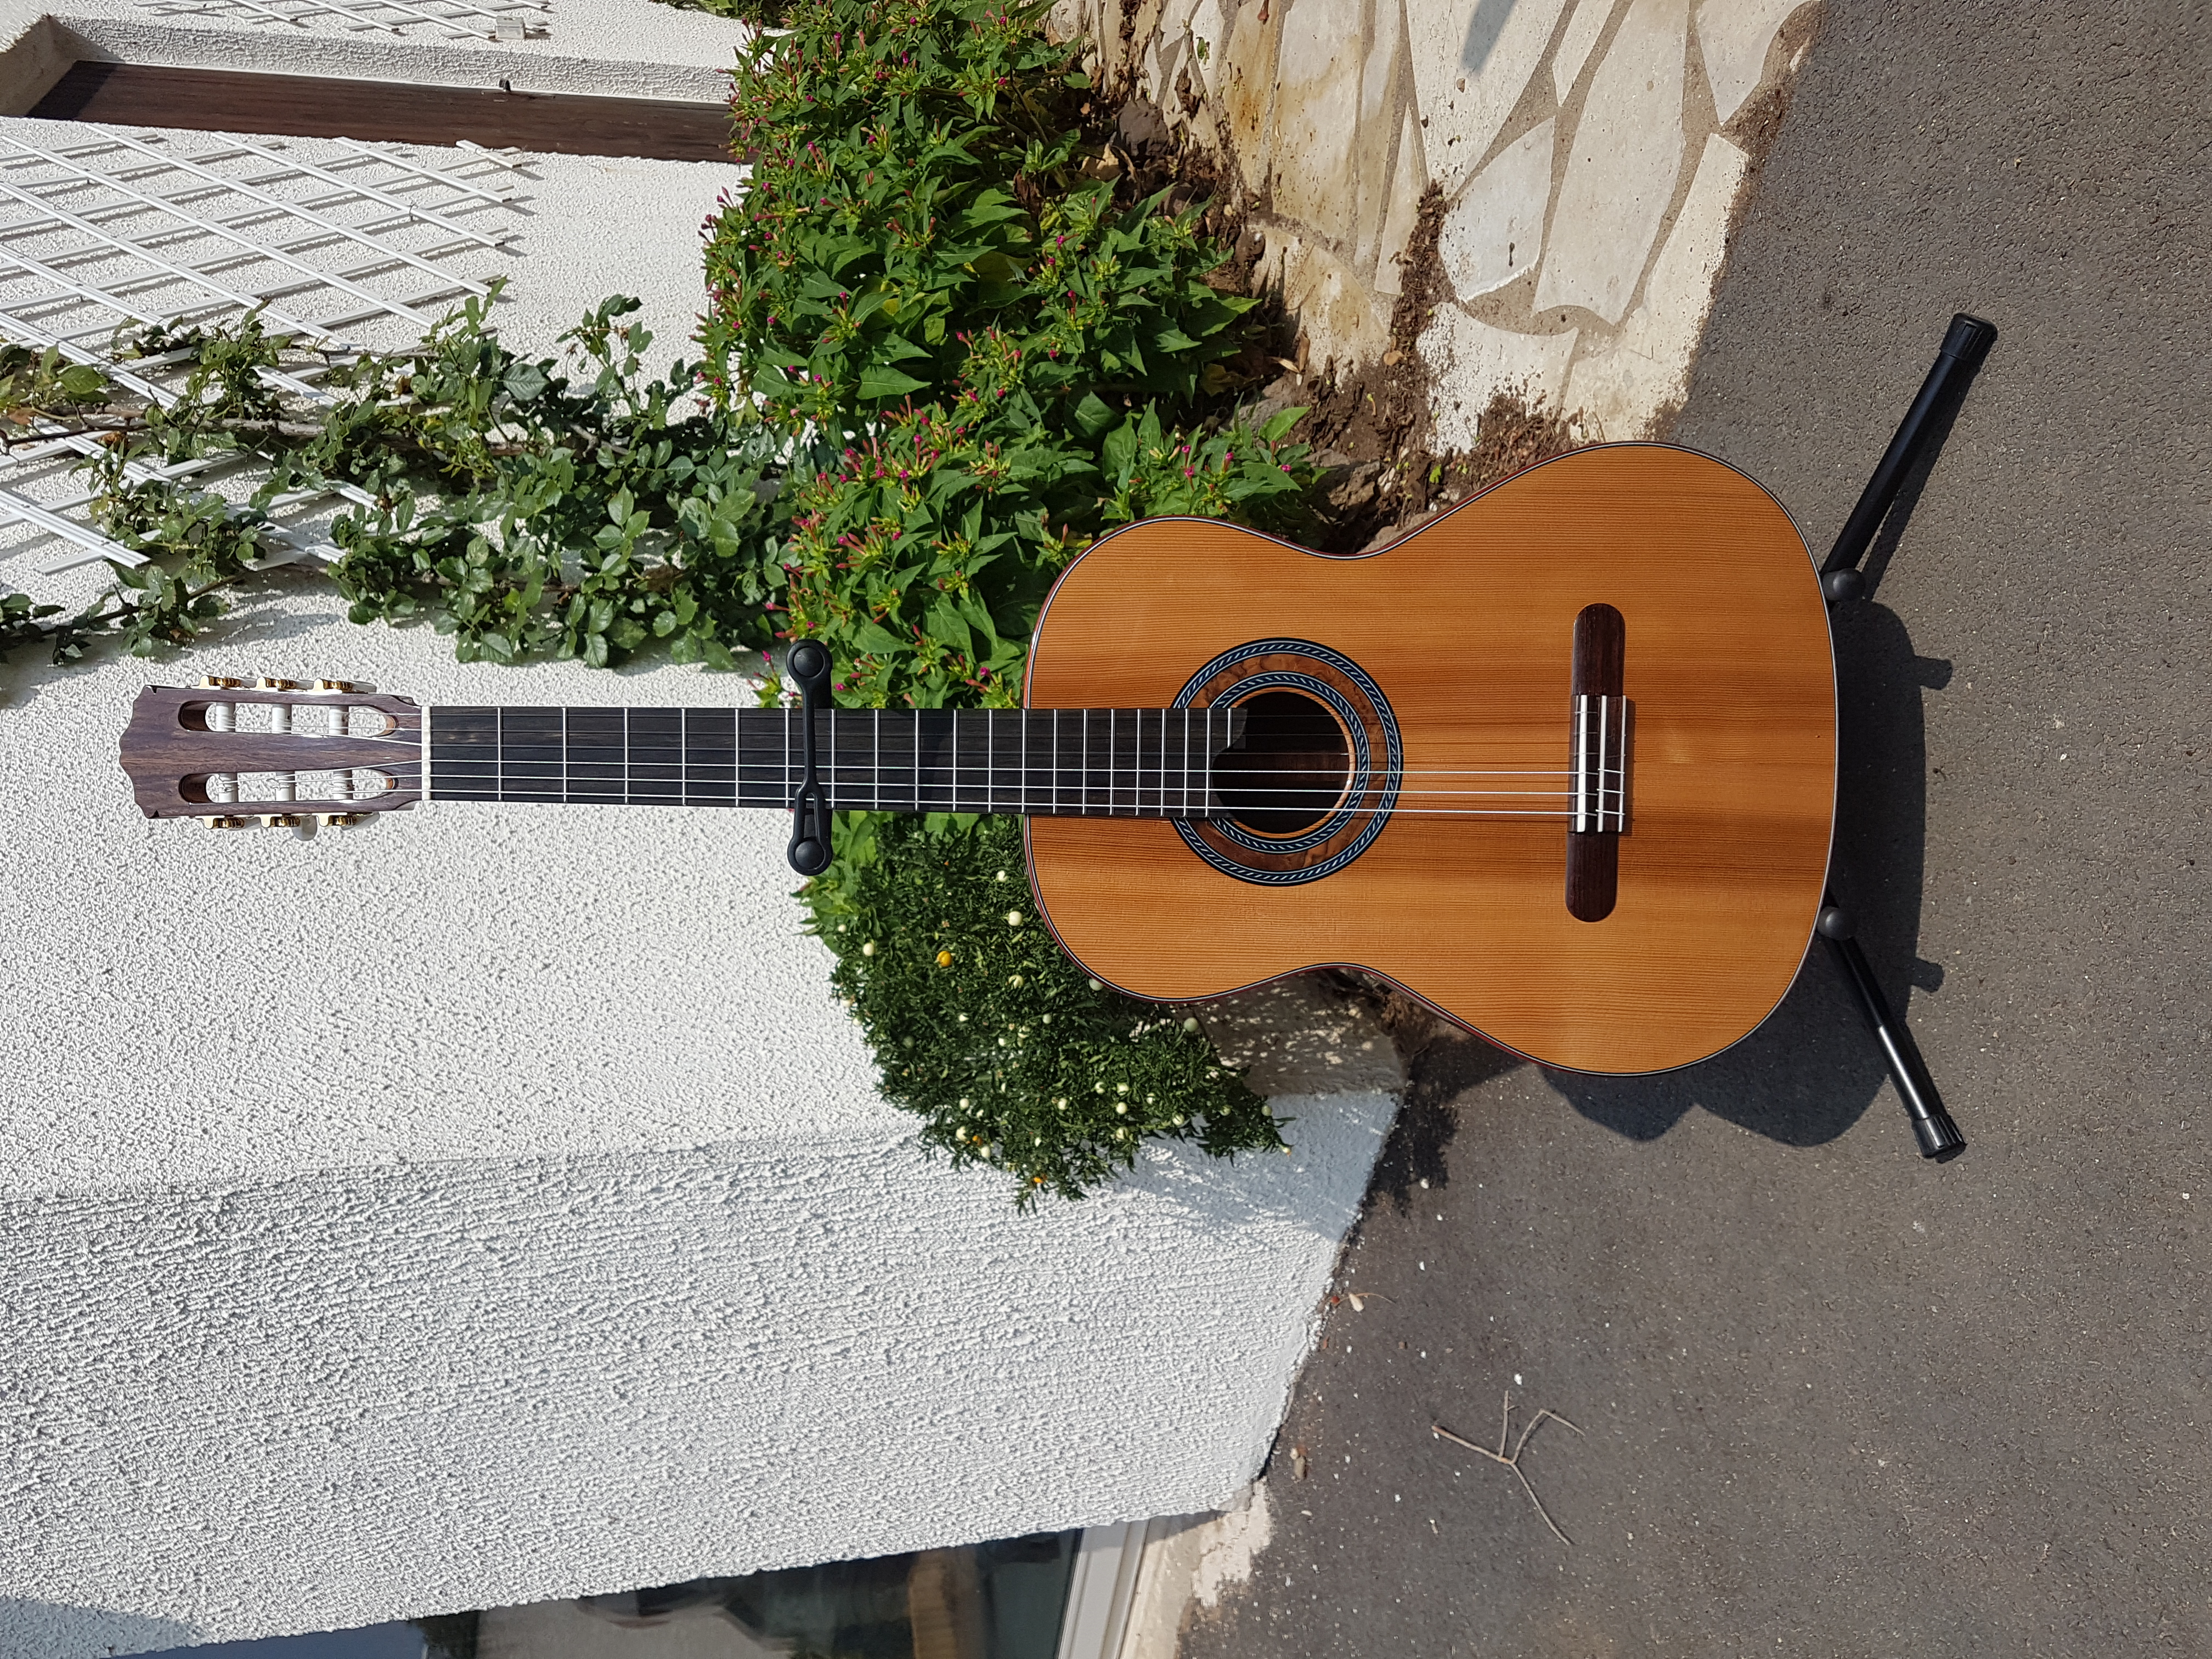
[1939,1139]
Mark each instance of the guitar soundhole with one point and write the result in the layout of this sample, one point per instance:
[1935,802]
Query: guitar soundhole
[1288,769]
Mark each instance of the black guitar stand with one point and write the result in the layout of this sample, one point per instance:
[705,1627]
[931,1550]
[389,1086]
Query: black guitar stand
[1964,347]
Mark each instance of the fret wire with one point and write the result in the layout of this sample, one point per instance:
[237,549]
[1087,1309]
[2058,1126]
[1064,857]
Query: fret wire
[1113,771]
[1140,763]
[1137,761]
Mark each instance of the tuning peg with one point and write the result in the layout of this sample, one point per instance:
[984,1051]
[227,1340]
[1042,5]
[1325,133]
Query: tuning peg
[220,682]
[336,685]
[227,823]
[281,820]
[339,820]
[268,683]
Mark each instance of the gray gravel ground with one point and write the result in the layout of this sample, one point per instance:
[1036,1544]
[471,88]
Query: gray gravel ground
[1834,1400]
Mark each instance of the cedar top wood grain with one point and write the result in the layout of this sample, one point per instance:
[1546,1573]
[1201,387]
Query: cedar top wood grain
[316,106]
[1468,628]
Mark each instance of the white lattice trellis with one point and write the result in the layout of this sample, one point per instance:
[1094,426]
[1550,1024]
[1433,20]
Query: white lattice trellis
[487,19]
[128,229]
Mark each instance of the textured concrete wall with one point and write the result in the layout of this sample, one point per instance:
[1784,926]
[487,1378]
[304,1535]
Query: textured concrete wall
[237,1408]
[489,1205]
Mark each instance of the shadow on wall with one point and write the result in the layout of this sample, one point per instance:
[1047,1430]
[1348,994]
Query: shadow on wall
[49,1630]
[1482,32]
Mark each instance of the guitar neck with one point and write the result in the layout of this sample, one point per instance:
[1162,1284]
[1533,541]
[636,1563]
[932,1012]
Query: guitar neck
[1085,762]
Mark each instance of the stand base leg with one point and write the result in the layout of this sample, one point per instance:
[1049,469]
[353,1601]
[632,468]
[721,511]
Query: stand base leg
[1932,1126]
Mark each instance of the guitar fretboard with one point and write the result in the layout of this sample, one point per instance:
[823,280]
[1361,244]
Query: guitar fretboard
[1119,763]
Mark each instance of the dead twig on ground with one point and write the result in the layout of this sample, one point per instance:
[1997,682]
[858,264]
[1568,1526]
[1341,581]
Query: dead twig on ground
[1512,1460]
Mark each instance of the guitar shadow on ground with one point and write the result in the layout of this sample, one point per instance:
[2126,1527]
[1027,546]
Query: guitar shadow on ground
[1810,1071]
[1807,1074]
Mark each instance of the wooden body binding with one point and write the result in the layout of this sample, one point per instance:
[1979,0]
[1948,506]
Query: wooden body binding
[1467,628]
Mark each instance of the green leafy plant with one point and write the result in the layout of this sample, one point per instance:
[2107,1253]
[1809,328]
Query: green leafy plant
[989,358]
[935,290]
[519,509]
[984,1027]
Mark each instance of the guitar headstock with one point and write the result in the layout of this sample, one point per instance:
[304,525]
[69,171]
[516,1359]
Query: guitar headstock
[276,751]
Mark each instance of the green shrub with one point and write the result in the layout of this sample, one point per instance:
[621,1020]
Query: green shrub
[988,361]
[980,360]
[984,1025]
[523,512]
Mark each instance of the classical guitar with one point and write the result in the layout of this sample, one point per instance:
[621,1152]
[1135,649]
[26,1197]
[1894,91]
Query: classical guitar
[1562,763]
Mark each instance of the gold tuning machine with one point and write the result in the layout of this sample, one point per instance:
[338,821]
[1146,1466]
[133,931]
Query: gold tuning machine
[281,820]
[220,682]
[337,820]
[269,682]
[336,685]
[228,823]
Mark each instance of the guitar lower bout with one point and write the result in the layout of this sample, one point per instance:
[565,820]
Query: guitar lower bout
[1562,763]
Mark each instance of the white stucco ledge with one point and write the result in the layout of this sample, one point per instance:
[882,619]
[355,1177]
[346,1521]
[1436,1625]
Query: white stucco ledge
[237,1409]
[624,48]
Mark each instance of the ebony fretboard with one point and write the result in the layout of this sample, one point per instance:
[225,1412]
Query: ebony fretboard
[1125,762]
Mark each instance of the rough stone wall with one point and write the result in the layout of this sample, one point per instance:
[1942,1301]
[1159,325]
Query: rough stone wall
[1590,152]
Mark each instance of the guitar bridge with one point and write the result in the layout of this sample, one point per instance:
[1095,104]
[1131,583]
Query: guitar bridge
[1599,763]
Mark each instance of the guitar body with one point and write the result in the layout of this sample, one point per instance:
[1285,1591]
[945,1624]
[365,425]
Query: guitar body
[1455,649]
